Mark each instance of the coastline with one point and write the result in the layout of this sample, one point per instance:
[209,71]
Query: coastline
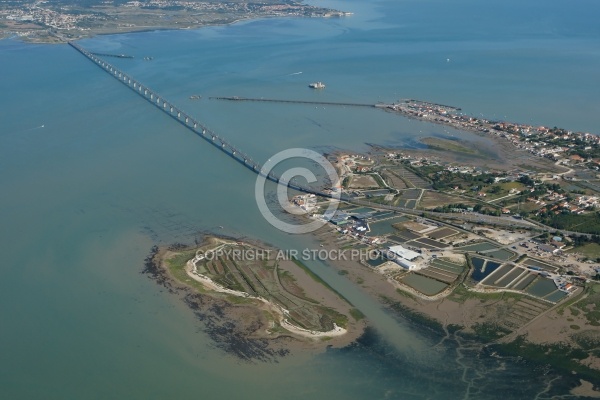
[58,40]
[471,318]
[248,327]
[281,313]
[41,34]
[116,178]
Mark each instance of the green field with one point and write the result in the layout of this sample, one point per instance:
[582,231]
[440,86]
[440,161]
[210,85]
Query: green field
[590,250]
[585,223]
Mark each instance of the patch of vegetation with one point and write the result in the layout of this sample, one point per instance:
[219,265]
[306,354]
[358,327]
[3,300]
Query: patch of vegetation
[345,182]
[561,308]
[357,314]
[329,316]
[590,305]
[378,179]
[585,223]
[587,339]
[489,332]
[176,267]
[575,327]
[460,294]
[405,294]
[561,356]
[589,250]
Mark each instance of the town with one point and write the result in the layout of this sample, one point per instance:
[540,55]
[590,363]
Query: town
[45,21]
[557,144]
[428,256]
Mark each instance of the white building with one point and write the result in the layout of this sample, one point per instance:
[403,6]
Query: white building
[405,263]
[404,253]
[404,256]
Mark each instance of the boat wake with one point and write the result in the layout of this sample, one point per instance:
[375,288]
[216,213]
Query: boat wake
[22,131]
[295,73]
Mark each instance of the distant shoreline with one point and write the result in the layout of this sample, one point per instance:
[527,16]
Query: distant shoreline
[35,32]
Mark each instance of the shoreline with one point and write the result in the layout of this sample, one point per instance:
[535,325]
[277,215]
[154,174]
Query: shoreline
[44,35]
[256,329]
[23,38]
[473,315]
[210,285]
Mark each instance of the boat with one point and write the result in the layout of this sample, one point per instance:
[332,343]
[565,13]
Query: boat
[317,85]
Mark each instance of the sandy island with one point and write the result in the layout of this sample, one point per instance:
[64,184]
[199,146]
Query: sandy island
[281,312]
[256,310]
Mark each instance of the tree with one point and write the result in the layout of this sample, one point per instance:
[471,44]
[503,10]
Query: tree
[525,180]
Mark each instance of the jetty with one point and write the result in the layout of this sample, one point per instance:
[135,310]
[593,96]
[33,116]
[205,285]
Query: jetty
[322,103]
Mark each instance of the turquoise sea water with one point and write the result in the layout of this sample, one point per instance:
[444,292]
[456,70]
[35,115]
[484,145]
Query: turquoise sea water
[85,197]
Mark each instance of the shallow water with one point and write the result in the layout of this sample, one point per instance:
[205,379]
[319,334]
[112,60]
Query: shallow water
[86,196]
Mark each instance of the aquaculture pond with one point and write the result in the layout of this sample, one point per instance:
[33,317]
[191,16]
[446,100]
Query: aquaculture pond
[556,296]
[522,284]
[385,227]
[482,268]
[489,268]
[509,277]
[501,254]
[447,266]
[376,262]
[423,284]
[482,246]
[398,239]
[542,287]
